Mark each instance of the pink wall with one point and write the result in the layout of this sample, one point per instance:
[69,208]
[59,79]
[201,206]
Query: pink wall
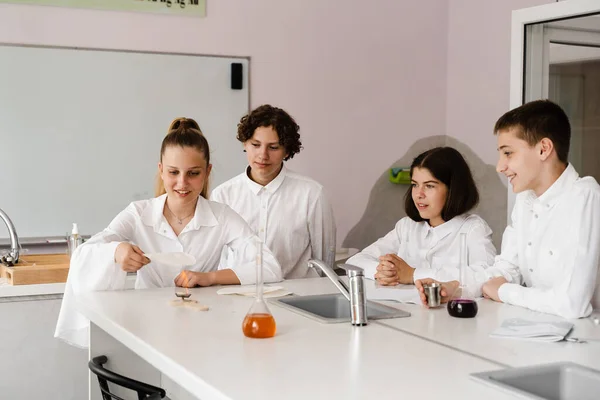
[479,69]
[363,79]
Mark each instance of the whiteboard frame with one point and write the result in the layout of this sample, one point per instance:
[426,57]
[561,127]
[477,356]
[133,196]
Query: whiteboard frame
[46,240]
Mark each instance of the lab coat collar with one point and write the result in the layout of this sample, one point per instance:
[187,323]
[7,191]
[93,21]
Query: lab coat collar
[443,230]
[271,186]
[203,216]
[551,196]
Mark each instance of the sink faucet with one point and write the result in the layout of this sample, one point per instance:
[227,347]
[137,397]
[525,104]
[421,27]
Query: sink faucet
[355,293]
[13,256]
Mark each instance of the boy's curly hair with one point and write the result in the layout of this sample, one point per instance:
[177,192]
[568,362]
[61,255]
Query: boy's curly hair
[283,123]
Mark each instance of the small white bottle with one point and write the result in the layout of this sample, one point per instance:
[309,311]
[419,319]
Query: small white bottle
[74,240]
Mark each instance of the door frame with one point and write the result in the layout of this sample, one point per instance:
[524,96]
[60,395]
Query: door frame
[520,19]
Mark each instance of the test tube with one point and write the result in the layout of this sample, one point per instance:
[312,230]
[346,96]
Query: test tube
[463,260]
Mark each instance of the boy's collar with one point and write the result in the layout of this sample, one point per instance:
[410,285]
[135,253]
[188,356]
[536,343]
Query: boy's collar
[272,186]
[557,189]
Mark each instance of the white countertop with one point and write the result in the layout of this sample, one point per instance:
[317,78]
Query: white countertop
[7,290]
[207,354]
[472,334]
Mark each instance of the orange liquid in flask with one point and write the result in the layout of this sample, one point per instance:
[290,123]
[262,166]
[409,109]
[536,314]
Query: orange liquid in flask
[259,326]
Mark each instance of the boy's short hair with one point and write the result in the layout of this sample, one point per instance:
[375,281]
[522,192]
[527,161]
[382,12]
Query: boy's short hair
[537,120]
[266,115]
[448,166]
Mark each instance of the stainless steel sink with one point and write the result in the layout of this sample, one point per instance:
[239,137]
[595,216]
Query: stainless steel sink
[557,381]
[331,308]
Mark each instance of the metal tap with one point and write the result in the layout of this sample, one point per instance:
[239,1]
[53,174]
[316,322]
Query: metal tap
[13,256]
[354,291]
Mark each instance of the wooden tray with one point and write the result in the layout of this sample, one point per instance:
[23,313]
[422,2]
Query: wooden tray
[37,268]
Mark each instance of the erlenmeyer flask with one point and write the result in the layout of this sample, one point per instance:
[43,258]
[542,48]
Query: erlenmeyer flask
[259,323]
[461,305]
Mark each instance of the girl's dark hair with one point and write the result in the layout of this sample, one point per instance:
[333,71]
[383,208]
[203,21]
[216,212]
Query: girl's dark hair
[184,132]
[282,122]
[448,166]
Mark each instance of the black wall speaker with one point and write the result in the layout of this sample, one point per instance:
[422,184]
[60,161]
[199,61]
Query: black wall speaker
[237,76]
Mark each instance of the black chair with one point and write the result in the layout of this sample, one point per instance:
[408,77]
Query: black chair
[144,391]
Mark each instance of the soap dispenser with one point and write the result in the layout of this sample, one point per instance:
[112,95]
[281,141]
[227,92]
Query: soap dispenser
[75,239]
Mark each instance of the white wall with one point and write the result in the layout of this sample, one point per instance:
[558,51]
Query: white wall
[363,79]
[479,70]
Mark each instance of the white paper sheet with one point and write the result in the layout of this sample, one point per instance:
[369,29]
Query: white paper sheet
[399,293]
[250,291]
[176,259]
[517,328]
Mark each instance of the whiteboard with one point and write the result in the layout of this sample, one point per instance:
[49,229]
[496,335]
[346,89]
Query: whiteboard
[81,129]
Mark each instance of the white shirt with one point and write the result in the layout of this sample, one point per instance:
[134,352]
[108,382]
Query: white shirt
[142,223]
[433,252]
[290,214]
[553,246]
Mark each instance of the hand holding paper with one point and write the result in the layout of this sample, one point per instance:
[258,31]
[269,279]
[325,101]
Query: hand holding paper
[176,259]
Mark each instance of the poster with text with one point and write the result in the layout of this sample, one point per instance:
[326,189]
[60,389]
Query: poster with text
[192,8]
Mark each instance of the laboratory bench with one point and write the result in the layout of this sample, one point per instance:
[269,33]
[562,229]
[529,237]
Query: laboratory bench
[204,355]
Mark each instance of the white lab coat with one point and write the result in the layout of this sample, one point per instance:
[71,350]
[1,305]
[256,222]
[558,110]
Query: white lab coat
[142,223]
[291,215]
[552,247]
[433,252]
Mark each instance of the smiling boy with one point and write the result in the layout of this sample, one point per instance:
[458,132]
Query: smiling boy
[551,248]
[289,212]
[552,244]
